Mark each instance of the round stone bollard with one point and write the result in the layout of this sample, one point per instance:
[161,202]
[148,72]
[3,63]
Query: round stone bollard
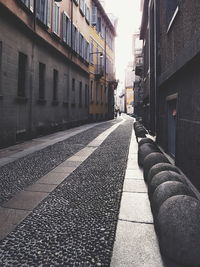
[151,160]
[162,177]
[145,141]
[167,190]
[136,124]
[159,168]
[178,225]
[144,150]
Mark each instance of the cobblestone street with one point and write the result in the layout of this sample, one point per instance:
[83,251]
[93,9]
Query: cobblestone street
[65,201]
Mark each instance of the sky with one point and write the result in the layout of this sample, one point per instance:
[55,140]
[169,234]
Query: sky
[129,19]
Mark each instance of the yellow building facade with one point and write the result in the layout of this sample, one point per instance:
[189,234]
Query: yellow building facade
[102,60]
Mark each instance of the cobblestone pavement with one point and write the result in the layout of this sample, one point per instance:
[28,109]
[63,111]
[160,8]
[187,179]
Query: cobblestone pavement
[75,225]
[19,174]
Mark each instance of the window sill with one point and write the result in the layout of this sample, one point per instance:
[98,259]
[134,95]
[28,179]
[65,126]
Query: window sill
[55,36]
[55,102]
[42,24]
[173,18]
[21,99]
[41,101]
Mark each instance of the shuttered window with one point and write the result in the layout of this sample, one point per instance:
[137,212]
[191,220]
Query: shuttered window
[28,3]
[44,11]
[82,7]
[66,34]
[94,15]
[56,19]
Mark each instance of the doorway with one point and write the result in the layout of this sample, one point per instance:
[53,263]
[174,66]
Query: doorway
[172,112]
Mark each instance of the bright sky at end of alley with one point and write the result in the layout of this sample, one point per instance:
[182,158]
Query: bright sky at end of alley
[129,19]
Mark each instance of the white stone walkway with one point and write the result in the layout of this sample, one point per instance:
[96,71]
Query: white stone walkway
[136,242]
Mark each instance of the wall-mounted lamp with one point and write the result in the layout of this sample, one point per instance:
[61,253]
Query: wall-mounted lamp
[100,53]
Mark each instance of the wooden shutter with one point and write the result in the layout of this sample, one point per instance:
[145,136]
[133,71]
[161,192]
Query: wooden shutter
[94,15]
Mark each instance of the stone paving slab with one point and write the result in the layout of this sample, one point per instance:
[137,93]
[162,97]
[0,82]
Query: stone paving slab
[135,207]
[134,186]
[136,245]
[25,200]
[69,163]
[41,188]
[52,178]
[134,174]
[62,169]
[9,218]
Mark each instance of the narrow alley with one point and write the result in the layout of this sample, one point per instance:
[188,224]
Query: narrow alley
[60,204]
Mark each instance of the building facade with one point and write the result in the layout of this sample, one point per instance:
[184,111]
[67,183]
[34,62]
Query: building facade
[171,34]
[102,60]
[44,67]
[129,94]
[138,70]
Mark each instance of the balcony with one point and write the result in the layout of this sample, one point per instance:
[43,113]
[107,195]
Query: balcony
[99,71]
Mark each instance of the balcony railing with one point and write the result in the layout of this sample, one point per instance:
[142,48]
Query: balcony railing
[99,71]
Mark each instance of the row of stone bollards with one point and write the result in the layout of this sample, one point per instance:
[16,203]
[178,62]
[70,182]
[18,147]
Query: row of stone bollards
[175,207]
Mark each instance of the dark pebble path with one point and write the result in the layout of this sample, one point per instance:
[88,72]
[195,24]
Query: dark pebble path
[21,173]
[75,225]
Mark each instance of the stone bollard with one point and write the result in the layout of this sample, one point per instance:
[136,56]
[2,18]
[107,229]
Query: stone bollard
[167,190]
[178,225]
[144,150]
[145,141]
[159,168]
[151,160]
[162,177]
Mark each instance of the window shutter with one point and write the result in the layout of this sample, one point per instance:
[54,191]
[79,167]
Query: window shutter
[38,9]
[58,20]
[69,32]
[54,18]
[31,5]
[94,15]
[64,27]
[49,14]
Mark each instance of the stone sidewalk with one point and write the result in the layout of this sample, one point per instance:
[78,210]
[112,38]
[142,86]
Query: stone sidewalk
[136,243]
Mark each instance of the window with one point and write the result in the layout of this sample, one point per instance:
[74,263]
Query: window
[97,94]
[55,85]
[87,52]
[86,95]
[43,11]
[94,15]
[42,68]
[171,11]
[73,91]
[91,92]
[82,7]
[66,89]
[81,41]
[98,26]
[75,38]
[91,55]
[28,3]
[101,94]
[87,14]
[56,19]
[1,52]
[80,94]
[66,29]
[22,66]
